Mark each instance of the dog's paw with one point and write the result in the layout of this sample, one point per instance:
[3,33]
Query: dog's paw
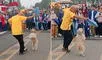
[83,55]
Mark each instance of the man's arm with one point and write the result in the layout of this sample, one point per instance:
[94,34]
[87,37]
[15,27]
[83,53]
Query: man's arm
[31,16]
[80,17]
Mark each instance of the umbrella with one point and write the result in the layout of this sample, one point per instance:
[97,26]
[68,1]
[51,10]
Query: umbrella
[13,4]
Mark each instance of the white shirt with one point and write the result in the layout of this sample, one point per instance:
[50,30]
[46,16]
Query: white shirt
[92,15]
[99,19]
[53,16]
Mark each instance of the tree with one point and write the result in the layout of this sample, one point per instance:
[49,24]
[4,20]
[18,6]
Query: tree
[43,4]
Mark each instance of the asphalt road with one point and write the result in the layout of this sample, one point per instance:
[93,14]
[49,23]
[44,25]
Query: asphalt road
[43,50]
[7,40]
[93,50]
[12,52]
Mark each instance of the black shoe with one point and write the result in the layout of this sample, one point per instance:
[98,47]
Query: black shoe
[22,53]
[65,50]
[68,51]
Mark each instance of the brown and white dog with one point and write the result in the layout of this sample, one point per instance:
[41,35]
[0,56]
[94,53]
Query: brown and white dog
[79,42]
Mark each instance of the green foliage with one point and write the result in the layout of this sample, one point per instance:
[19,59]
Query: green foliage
[43,4]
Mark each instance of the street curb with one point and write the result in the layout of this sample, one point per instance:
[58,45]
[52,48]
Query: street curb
[1,33]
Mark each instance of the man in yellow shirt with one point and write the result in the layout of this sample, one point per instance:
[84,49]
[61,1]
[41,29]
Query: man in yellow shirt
[69,15]
[16,23]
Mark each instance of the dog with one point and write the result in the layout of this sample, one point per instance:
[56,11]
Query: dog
[79,42]
[33,37]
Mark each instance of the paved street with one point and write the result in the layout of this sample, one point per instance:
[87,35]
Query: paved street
[93,51]
[42,54]
[7,40]
[9,47]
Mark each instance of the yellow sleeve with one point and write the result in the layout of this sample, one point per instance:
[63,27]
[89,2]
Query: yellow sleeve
[23,18]
[10,20]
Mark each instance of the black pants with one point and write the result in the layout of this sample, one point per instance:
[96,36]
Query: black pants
[21,42]
[45,26]
[59,30]
[67,38]
[49,25]
[29,25]
[40,25]
[99,29]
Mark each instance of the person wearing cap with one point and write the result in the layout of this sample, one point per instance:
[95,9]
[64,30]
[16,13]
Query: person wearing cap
[16,23]
[69,15]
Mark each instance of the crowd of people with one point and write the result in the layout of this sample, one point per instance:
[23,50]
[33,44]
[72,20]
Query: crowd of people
[40,21]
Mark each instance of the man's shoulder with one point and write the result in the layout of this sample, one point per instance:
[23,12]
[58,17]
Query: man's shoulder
[66,8]
[14,16]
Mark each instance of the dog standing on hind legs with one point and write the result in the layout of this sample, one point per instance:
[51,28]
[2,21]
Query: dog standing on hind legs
[79,42]
[33,37]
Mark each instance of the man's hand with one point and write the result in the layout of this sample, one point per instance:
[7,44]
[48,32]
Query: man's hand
[81,17]
[85,18]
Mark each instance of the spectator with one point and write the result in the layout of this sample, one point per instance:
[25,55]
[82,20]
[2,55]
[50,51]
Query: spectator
[91,15]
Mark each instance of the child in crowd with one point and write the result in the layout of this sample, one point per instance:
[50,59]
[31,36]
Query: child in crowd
[53,25]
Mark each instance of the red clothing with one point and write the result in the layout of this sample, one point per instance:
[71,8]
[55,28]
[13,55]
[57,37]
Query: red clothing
[2,20]
[85,12]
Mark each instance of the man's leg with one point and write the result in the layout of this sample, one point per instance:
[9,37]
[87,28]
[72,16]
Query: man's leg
[21,42]
[67,39]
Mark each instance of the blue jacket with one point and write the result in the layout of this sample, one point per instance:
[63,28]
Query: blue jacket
[90,14]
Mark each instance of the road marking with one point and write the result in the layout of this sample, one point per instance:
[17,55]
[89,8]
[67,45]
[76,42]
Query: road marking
[5,52]
[101,57]
[50,56]
[12,51]
[27,41]
[59,47]
[50,52]
[57,53]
